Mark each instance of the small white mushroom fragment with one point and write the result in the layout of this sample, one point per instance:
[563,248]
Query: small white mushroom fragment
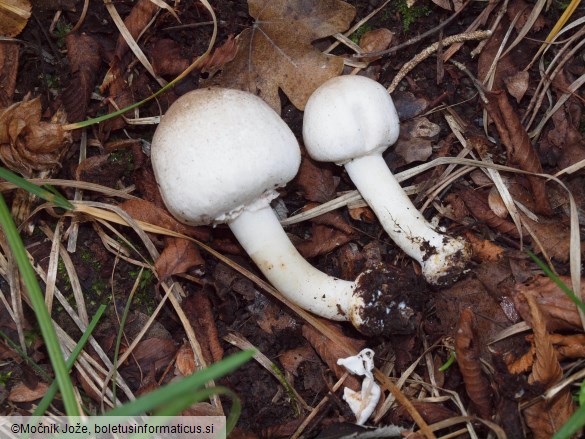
[351,120]
[218,156]
[362,403]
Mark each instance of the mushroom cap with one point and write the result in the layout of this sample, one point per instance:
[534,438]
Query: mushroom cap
[218,151]
[347,117]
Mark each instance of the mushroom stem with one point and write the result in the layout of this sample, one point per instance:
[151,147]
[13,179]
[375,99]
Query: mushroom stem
[261,235]
[440,256]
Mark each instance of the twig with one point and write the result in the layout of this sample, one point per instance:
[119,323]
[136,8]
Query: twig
[413,40]
[459,38]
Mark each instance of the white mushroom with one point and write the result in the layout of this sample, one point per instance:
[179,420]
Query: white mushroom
[351,120]
[218,156]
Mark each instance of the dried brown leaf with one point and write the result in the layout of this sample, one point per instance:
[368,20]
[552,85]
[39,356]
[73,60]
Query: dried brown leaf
[551,233]
[333,219]
[140,15]
[9,55]
[522,364]
[517,84]
[203,409]
[276,52]
[26,143]
[546,417]
[316,180]
[566,346]
[412,149]
[330,352]
[22,393]
[179,256]
[154,354]
[431,413]
[556,308]
[293,358]
[146,211]
[518,145]
[221,56]
[484,249]
[14,15]
[476,202]
[323,240]
[272,318]
[185,362]
[376,40]
[524,9]
[198,309]
[468,358]
[84,62]
[166,58]
[362,214]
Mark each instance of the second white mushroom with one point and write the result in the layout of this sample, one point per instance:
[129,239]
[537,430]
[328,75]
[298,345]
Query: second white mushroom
[351,120]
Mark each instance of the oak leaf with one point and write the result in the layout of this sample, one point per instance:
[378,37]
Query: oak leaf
[276,52]
[14,15]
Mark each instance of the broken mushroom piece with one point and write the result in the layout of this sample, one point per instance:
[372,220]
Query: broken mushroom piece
[218,156]
[351,120]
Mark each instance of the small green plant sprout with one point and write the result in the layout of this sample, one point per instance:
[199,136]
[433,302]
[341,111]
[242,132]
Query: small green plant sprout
[61,31]
[447,364]
[411,14]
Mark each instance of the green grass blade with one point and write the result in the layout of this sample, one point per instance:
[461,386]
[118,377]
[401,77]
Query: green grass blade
[201,395]
[52,391]
[167,394]
[38,303]
[572,426]
[47,193]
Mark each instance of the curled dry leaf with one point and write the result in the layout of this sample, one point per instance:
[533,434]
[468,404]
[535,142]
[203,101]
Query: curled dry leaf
[517,84]
[14,15]
[200,314]
[483,249]
[179,256]
[518,145]
[556,309]
[84,62]
[276,52]
[333,219]
[221,56]
[430,412]
[148,212]
[476,202]
[330,352]
[138,18]
[468,358]
[26,143]
[524,9]
[375,41]
[185,362]
[323,240]
[546,417]
[316,180]
[293,358]
[22,393]
[153,354]
[9,54]
[166,57]
[168,60]
[552,234]
[271,318]
[497,204]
